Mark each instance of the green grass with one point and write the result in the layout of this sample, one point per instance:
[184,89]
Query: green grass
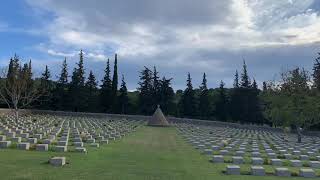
[149,154]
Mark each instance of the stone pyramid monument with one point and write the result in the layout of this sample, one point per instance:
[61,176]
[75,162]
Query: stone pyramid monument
[158,119]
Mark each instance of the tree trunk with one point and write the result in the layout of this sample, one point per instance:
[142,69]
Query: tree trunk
[299,134]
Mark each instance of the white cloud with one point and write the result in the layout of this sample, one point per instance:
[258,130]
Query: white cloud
[158,33]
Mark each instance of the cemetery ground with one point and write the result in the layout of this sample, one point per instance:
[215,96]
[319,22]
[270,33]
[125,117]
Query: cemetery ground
[148,153]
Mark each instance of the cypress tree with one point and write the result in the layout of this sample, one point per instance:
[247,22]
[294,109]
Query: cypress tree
[316,73]
[123,97]
[114,88]
[204,104]
[105,95]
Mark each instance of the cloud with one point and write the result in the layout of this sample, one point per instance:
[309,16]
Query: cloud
[182,35]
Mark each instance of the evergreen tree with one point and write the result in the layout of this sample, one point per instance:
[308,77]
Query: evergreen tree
[77,86]
[264,86]
[145,92]
[222,103]
[92,93]
[188,100]
[156,96]
[123,97]
[63,79]
[254,85]
[204,104]
[105,95]
[114,87]
[45,101]
[316,73]
[166,96]
[91,83]
[245,80]
[60,93]
[236,80]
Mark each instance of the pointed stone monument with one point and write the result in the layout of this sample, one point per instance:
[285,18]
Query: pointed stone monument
[158,119]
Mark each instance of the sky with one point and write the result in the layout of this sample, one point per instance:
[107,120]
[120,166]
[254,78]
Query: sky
[176,36]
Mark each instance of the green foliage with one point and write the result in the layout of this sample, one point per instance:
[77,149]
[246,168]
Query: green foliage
[123,97]
[204,102]
[188,104]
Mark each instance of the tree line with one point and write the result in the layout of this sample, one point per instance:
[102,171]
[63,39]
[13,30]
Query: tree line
[290,101]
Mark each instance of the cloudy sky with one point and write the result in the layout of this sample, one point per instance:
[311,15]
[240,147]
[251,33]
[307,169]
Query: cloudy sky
[177,36]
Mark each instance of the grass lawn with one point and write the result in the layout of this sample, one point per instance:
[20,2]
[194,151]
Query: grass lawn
[150,153]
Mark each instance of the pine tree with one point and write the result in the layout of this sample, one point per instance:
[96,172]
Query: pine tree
[77,86]
[105,95]
[45,101]
[114,88]
[316,73]
[264,86]
[91,84]
[245,81]
[156,88]
[166,96]
[91,93]
[145,92]
[60,97]
[188,101]
[222,104]
[63,79]
[236,80]
[254,85]
[123,97]
[204,104]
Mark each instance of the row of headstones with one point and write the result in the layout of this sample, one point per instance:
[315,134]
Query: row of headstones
[207,141]
[256,150]
[54,132]
[279,171]
[262,161]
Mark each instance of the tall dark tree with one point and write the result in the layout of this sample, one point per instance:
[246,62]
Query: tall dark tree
[245,80]
[236,80]
[63,78]
[45,85]
[92,93]
[106,89]
[316,73]
[204,104]
[156,96]
[123,97]
[145,92]
[61,97]
[166,96]
[222,103]
[114,87]
[264,86]
[188,100]
[77,86]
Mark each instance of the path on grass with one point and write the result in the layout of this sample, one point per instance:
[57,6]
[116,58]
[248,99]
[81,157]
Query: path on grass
[151,153]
